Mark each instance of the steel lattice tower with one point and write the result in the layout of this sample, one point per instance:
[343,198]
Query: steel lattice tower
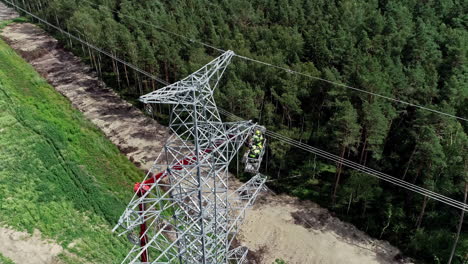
[184,208]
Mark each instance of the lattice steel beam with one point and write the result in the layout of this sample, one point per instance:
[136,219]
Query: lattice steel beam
[183,208]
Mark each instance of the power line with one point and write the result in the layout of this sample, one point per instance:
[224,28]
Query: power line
[372,172]
[288,70]
[359,167]
[269,133]
[130,65]
[158,27]
[305,147]
[353,88]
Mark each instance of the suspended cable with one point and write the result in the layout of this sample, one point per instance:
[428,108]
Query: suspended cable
[300,145]
[371,172]
[157,27]
[91,45]
[288,70]
[352,88]
[359,167]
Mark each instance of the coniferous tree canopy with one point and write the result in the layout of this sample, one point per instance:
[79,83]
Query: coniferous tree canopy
[411,50]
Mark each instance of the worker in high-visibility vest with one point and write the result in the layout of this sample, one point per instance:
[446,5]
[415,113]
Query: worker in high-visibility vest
[254,152]
[257,137]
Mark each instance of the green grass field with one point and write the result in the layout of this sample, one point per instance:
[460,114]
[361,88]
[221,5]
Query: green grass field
[58,173]
[5,260]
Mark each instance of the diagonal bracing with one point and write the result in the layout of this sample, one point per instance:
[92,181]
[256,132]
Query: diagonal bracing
[183,209]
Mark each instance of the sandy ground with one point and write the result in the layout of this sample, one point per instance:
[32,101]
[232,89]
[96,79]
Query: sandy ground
[302,232]
[277,227]
[24,248]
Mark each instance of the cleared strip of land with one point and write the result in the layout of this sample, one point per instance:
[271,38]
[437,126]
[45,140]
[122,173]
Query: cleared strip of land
[271,228]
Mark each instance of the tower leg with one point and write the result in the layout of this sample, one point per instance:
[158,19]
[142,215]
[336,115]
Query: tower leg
[143,237]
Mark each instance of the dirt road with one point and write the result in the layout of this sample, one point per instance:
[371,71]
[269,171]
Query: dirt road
[273,229]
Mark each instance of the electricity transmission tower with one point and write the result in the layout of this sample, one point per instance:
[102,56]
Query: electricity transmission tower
[184,210]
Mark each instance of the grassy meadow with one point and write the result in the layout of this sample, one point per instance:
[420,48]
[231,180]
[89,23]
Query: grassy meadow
[58,172]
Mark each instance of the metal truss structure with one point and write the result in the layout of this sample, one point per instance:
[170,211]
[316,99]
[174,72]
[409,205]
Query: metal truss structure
[184,208]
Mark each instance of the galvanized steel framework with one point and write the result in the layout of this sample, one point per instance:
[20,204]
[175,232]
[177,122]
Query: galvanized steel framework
[187,214]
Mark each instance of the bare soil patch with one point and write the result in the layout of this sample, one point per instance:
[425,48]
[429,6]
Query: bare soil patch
[302,232]
[277,227]
[7,13]
[24,248]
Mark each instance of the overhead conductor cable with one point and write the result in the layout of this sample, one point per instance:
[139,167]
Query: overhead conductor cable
[305,147]
[280,67]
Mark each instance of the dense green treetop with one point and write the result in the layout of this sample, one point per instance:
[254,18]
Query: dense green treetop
[410,50]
